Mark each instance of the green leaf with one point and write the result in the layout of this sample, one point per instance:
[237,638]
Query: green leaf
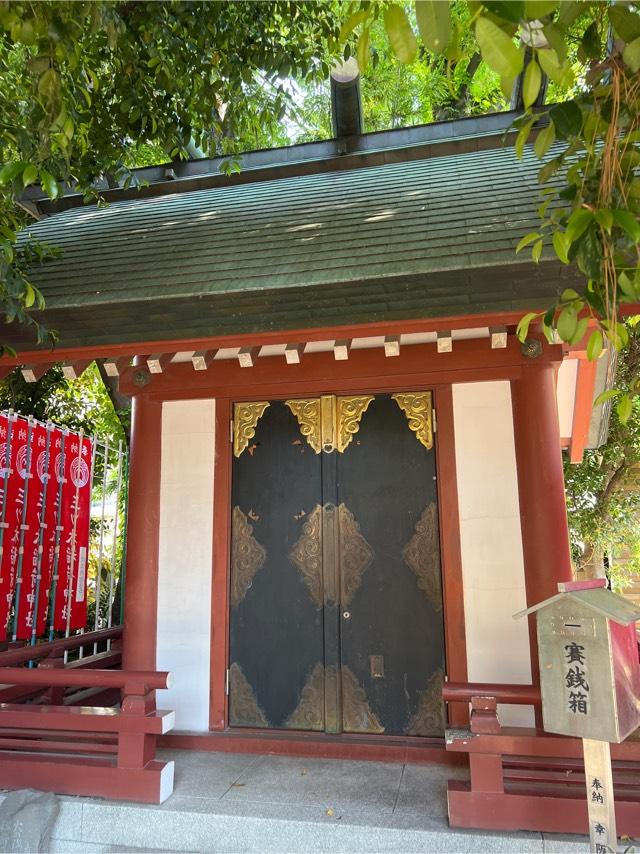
[544,140]
[591,41]
[526,240]
[569,11]
[560,72]
[624,408]
[48,83]
[522,329]
[561,246]
[568,295]
[351,23]
[531,83]
[627,221]
[567,323]
[627,287]
[622,335]
[29,175]
[581,330]
[536,251]
[508,10]
[29,295]
[10,170]
[567,118]
[522,137]
[549,61]
[498,49]
[549,170]
[362,50]
[610,394]
[577,224]
[536,9]
[604,218]
[631,55]
[434,24]
[49,184]
[595,345]
[401,38]
[625,22]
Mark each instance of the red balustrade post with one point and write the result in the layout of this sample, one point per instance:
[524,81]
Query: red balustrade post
[54,695]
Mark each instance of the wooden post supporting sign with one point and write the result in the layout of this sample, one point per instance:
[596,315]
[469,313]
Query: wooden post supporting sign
[600,801]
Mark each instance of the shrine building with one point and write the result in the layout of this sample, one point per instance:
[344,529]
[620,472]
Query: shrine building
[346,470]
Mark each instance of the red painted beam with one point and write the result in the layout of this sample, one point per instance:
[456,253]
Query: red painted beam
[317,745]
[96,777]
[320,372]
[527,741]
[72,677]
[582,408]
[551,813]
[286,336]
[464,692]
[84,719]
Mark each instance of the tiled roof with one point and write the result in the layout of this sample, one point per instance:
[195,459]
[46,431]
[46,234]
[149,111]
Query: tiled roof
[411,239]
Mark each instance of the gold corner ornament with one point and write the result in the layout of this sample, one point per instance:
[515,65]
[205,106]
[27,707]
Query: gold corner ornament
[349,413]
[307,412]
[329,423]
[245,419]
[418,409]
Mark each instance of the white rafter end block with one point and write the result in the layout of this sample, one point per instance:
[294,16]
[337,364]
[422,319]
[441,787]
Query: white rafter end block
[293,353]
[201,359]
[498,337]
[247,356]
[445,342]
[341,350]
[392,345]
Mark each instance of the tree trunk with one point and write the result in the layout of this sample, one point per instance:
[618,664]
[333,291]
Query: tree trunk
[592,564]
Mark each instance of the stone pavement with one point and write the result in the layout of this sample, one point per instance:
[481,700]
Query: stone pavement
[245,803]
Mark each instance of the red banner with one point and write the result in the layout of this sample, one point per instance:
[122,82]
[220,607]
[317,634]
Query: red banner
[39,545]
[70,607]
[12,503]
[34,533]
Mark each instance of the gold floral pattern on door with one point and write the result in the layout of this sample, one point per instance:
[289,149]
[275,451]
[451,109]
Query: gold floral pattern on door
[429,718]
[422,555]
[247,556]
[243,705]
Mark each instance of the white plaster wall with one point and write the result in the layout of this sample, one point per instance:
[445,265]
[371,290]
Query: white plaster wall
[491,541]
[566,395]
[185,558]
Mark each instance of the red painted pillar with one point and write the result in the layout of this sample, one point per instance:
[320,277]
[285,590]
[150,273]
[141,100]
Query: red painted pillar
[543,514]
[141,579]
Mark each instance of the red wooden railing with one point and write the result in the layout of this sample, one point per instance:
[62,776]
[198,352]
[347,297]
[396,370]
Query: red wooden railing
[522,778]
[50,742]
[23,654]
[52,655]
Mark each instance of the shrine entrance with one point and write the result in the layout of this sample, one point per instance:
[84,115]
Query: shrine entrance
[336,620]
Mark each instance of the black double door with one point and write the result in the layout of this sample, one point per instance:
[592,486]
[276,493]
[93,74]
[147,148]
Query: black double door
[336,620]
